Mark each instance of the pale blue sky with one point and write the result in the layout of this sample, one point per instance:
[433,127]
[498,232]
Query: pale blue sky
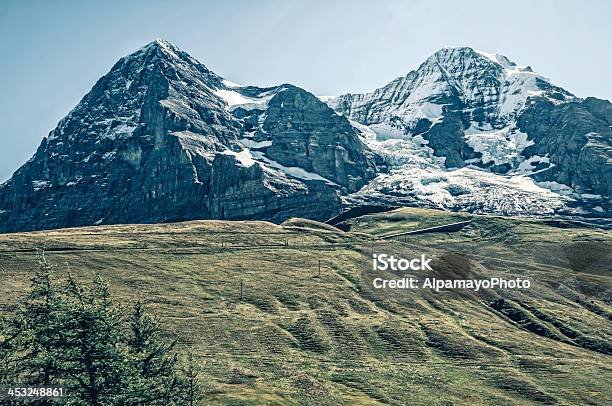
[52,52]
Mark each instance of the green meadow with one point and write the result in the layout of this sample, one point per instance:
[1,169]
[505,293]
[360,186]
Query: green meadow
[287,314]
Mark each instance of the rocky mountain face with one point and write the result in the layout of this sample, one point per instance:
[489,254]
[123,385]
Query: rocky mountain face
[576,137]
[479,115]
[309,135]
[156,140]
[162,138]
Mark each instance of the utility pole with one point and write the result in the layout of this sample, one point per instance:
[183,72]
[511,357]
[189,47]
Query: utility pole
[319,268]
[241,290]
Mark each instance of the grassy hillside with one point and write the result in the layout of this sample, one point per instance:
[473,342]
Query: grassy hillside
[297,335]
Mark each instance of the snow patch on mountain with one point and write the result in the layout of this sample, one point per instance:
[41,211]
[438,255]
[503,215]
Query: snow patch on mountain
[528,166]
[248,143]
[326,99]
[501,146]
[167,47]
[397,148]
[229,83]
[292,171]
[464,189]
[418,176]
[120,131]
[517,88]
[235,99]
[40,184]
[244,157]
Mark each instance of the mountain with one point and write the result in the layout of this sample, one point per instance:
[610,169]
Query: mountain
[465,116]
[162,138]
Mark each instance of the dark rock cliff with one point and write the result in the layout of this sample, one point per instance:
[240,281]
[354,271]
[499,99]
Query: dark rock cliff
[306,133]
[577,139]
[152,141]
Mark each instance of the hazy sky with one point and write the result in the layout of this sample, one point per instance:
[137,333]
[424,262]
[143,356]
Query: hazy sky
[52,52]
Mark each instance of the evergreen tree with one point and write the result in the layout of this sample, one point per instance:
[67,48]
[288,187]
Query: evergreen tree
[155,379]
[192,392]
[8,367]
[41,319]
[76,337]
[94,360]
[29,344]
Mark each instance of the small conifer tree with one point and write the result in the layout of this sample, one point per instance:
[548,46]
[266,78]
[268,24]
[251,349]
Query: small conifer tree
[78,338]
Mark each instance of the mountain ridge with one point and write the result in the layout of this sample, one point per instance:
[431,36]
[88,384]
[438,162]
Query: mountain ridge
[154,140]
[160,137]
[477,110]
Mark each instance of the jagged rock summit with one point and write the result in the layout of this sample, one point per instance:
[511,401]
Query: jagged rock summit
[469,130]
[162,138]
[489,88]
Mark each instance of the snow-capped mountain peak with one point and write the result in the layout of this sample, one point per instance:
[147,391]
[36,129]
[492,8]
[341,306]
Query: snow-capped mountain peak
[165,50]
[466,128]
[161,137]
[450,53]
[503,61]
[454,78]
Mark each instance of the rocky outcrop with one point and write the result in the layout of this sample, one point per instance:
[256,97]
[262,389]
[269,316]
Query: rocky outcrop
[306,133]
[447,141]
[239,192]
[576,137]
